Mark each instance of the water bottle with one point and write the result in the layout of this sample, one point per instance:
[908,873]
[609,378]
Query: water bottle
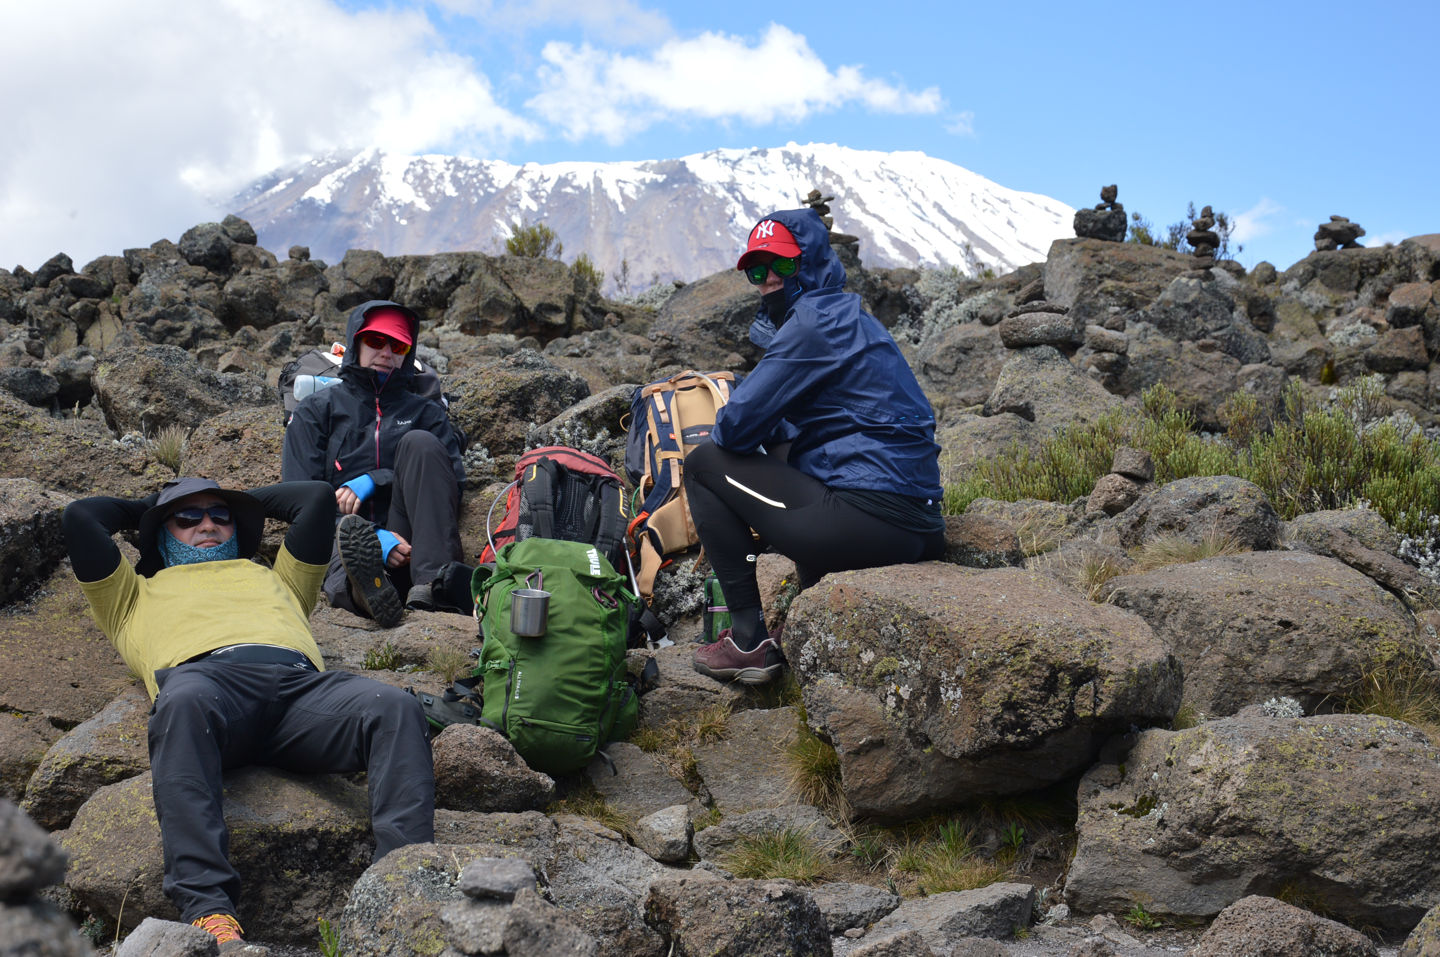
[310,384]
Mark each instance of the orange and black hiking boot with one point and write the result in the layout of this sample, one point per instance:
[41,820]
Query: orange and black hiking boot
[225,928]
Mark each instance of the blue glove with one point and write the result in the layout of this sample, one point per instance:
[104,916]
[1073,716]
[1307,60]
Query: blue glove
[363,486]
[387,542]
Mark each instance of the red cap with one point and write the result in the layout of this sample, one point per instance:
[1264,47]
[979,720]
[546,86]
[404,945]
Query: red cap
[769,236]
[389,322]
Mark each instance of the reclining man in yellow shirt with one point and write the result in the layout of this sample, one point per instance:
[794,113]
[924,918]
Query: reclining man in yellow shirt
[223,645]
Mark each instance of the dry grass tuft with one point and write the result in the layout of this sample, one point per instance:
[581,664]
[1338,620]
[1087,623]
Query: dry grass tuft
[788,853]
[1173,549]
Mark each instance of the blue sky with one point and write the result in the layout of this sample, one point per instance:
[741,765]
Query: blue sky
[128,120]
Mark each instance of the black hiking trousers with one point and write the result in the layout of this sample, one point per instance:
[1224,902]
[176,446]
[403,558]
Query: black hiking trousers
[797,515]
[211,716]
[424,510]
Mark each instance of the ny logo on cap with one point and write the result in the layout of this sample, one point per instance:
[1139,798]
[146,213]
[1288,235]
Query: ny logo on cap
[765,230]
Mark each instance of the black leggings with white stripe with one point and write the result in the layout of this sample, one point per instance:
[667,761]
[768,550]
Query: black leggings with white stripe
[795,514]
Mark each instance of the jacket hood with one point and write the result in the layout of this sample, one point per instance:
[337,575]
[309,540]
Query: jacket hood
[820,268]
[406,369]
[249,517]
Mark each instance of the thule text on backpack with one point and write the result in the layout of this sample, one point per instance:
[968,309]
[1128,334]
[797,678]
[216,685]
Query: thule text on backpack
[594,558]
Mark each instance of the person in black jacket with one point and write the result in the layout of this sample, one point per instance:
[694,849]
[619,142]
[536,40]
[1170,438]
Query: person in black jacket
[392,457]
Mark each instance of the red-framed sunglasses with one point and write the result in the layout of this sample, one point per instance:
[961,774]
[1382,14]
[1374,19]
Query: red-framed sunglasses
[379,341]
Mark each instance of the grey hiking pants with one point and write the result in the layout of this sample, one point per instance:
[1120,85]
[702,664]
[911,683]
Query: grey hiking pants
[212,716]
[424,510]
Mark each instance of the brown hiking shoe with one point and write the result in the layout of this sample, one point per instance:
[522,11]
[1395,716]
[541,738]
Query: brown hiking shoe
[365,567]
[224,928]
[723,660]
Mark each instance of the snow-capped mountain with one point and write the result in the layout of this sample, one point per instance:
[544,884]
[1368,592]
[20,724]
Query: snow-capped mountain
[664,219]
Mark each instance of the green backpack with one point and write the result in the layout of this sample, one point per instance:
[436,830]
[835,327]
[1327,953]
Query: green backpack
[560,696]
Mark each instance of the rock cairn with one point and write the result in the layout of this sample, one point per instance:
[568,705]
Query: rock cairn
[1130,472]
[1106,221]
[819,202]
[1339,233]
[1202,236]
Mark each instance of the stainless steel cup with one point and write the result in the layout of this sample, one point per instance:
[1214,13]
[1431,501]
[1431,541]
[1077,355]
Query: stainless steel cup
[529,607]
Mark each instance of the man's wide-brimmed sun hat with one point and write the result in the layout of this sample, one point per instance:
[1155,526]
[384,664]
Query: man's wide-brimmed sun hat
[249,517]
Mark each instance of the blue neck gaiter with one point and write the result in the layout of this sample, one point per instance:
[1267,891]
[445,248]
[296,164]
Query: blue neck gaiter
[176,552]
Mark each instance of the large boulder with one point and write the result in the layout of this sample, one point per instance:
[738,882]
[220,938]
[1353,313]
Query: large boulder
[1201,374]
[937,683]
[105,749]
[478,770]
[958,367]
[425,898]
[298,841]
[498,401]
[742,918]
[147,389]
[1039,384]
[1362,539]
[1339,809]
[706,325]
[1266,927]
[945,919]
[1193,310]
[80,456]
[1207,507]
[1263,624]
[239,449]
[31,542]
[23,743]
[1104,283]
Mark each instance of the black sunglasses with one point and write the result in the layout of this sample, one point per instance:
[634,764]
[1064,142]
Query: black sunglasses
[192,516]
[784,267]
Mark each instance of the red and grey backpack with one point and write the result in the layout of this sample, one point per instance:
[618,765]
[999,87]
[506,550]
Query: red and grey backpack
[570,495]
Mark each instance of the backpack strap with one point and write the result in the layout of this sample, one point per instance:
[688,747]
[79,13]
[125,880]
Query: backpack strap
[537,499]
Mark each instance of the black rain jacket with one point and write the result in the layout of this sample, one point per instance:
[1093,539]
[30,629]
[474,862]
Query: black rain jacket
[353,428]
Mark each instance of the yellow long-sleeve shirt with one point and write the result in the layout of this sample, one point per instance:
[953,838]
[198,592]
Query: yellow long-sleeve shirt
[187,610]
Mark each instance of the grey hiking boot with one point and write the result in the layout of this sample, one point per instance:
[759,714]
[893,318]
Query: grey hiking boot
[722,659]
[365,567]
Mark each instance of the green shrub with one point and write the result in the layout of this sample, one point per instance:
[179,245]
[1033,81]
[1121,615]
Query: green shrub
[584,269]
[534,241]
[383,658]
[1337,456]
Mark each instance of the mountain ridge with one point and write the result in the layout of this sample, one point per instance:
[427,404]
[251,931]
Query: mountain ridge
[656,219]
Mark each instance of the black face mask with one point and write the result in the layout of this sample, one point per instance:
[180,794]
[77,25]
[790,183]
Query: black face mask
[775,306]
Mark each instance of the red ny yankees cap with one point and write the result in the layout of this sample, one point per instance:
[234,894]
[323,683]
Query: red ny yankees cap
[768,236]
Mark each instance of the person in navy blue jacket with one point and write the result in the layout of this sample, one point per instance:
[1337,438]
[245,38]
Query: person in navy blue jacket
[826,450]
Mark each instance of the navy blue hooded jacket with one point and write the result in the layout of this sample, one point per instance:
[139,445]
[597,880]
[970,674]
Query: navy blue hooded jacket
[835,375]
[353,427]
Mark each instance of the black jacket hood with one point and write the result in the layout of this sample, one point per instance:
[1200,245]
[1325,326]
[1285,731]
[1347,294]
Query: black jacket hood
[351,362]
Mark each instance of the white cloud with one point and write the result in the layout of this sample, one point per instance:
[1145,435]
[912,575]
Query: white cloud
[124,116]
[1256,221]
[713,76]
[615,21]
[961,124]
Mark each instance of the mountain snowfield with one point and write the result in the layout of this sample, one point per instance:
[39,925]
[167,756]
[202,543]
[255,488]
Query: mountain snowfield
[663,219]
